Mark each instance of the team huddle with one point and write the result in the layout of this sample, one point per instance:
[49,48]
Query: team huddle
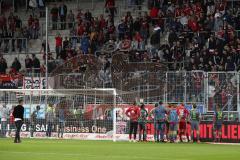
[172,123]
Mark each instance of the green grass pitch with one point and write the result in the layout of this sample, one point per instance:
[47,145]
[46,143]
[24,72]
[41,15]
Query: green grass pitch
[49,149]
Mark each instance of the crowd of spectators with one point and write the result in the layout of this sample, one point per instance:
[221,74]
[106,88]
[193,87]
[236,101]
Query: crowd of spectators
[15,34]
[32,64]
[201,35]
[185,34]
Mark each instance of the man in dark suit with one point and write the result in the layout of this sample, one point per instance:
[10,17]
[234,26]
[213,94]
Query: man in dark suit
[18,118]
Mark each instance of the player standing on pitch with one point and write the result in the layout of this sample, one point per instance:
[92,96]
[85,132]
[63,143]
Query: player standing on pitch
[217,123]
[142,123]
[133,114]
[33,119]
[161,119]
[173,123]
[153,115]
[18,113]
[183,115]
[195,117]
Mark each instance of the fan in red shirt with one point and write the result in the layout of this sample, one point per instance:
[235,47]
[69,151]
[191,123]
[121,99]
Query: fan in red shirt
[133,113]
[58,44]
[193,24]
[187,10]
[154,12]
[183,114]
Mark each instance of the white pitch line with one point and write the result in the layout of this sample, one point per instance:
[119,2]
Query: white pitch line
[88,155]
[232,144]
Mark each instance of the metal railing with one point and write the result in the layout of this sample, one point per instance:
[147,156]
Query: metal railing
[14,45]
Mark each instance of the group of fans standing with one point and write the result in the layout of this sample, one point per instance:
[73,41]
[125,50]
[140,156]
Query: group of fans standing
[172,120]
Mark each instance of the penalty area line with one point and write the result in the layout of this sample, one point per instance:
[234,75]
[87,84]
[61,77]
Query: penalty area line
[232,144]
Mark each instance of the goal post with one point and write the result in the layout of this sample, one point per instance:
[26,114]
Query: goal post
[88,114]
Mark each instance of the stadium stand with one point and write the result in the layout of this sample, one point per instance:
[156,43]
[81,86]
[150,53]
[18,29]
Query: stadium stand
[106,39]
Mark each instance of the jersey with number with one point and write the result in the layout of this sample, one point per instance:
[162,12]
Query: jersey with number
[194,115]
[182,113]
[143,115]
[218,116]
[173,116]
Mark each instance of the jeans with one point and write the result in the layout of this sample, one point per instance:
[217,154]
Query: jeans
[58,51]
[18,129]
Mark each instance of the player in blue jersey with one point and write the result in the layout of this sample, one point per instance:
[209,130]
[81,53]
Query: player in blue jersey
[217,122]
[162,120]
[173,120]
[156,129]
[159,114]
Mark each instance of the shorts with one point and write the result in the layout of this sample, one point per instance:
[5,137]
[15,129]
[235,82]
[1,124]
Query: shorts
[195,125]
[173,127]
[182,125]
[218,126]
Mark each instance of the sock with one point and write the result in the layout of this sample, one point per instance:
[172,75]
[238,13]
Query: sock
[188,137]
[198,136]
[180,136]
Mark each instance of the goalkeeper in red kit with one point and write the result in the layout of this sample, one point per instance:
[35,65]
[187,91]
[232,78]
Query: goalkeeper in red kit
[133,113]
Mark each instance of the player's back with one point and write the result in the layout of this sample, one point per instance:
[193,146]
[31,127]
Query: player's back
[173,116]
[182,112]
[194,115]
[160,112]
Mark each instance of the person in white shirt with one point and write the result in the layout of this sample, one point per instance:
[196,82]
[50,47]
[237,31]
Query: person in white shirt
[4,118]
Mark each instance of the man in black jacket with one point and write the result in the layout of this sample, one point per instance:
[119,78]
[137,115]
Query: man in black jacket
[62,11]
[18,118]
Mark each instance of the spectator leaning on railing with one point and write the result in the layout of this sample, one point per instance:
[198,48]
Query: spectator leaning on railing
[16,65]
[3,65]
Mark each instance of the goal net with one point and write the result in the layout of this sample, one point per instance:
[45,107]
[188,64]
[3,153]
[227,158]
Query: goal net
[88,114]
